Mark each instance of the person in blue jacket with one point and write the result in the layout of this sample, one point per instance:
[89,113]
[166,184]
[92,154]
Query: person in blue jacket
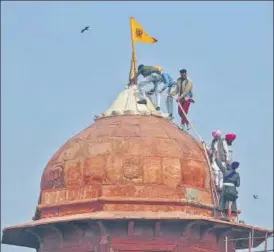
[168,84]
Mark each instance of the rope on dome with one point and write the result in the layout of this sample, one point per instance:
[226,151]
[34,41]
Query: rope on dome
[213,187]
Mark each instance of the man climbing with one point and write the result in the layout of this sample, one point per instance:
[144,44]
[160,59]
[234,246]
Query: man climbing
[221,154]
[183,89]
[151,75]
[213,154]
[156,89]
[168,84]
[227,147]
[229,192]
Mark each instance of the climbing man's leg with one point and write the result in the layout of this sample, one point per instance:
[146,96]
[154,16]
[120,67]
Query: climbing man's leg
[156,80]
[141,88]
[169,102]
[186,106]
[157,96]
[220,177]
[229,210]
[181,114]
[216,171]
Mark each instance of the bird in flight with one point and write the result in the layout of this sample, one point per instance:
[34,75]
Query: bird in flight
[255,196]
[85,29]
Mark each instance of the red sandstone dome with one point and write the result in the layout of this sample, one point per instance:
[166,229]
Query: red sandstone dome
[125,163]
[130,182]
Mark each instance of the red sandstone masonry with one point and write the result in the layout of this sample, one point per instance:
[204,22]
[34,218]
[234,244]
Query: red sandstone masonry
[142,186]
[141,237]
[127,157]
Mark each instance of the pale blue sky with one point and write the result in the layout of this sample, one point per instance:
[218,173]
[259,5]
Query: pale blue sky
[55,79]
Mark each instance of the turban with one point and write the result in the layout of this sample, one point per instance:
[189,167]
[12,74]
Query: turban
[216,133]
[235,165]
[230,137]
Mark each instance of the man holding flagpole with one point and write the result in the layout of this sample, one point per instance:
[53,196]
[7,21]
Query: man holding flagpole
[151,74]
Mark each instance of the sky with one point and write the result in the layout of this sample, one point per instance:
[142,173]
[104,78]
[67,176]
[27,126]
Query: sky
[55,79]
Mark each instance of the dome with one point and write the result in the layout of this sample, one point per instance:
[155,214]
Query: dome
[131,173]
[127,163]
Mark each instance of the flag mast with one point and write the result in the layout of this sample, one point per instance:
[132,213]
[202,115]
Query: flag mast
[133,68]
[138,34]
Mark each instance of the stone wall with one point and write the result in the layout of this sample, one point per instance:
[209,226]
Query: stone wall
[135,236]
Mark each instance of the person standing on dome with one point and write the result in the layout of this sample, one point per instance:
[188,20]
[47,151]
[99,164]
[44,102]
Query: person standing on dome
[151,75]
[183,89]
[168,84]
[229,192]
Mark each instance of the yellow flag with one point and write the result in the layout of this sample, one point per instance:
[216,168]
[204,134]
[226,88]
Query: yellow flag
[139,34]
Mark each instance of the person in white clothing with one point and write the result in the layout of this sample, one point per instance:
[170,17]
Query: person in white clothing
[151,75]
[223,154]
[213,153]
[227,147]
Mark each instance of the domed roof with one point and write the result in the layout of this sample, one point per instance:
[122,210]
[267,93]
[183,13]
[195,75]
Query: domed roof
[127,163]
[131,164]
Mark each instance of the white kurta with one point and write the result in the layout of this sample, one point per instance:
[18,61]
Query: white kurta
[218,176]
[228,152]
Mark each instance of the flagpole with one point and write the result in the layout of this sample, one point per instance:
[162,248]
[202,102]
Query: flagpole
[133,68]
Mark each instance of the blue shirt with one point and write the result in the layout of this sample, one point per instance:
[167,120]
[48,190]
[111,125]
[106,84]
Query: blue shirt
[167,80]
